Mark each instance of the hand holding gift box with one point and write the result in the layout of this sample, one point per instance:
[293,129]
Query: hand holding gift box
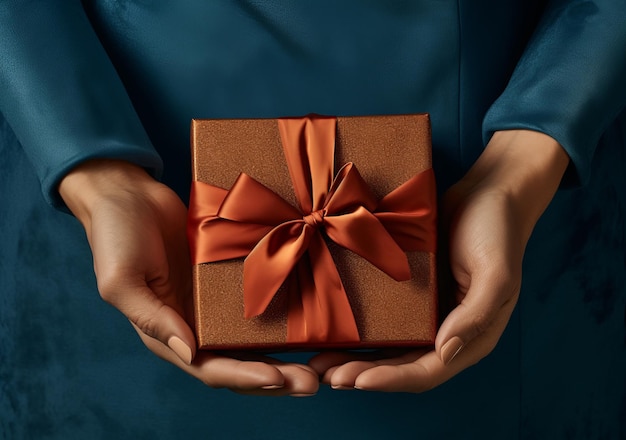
[306,280]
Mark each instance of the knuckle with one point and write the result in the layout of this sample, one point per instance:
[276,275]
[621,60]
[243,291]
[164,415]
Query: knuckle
[108,289]
[110,283]
[147,323]
[481,322]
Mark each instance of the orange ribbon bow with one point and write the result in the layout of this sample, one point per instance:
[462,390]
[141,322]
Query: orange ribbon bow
[283,244]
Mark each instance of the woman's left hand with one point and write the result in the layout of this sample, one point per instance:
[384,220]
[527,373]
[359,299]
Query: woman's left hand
[488,217]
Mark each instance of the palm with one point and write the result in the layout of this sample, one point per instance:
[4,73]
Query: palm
[136,230]
[475,248]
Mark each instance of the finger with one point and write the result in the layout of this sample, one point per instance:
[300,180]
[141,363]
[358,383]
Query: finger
[299,381]
[222,372]
[490,298]
[155,319]
[326,363]
[240,375]
[344,376]
[323,361]
[418,376]
[147,297]
[429,371]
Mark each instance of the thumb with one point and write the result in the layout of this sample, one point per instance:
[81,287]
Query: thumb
[152,317]
[483,312]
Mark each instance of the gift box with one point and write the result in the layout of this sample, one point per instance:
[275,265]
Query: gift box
[314,232]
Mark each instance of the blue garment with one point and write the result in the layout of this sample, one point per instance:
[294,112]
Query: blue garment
[122,79]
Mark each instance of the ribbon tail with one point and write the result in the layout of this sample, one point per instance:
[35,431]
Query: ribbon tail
[267,267]
[323,313]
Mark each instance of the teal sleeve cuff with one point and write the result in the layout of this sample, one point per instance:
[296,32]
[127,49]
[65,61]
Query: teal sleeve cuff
[571,81]
[61,95]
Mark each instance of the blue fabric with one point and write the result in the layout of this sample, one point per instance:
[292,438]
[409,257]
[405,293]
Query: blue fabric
[59,95]
[123,79]
[570,81]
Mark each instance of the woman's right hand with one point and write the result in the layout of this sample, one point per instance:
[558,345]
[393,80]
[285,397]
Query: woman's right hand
[136,228]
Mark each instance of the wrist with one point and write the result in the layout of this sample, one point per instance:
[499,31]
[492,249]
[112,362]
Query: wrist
[93,181]
[514,157]
[524,167]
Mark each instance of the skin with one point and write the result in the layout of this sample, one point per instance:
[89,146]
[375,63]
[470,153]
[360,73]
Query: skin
[488,218]
[136,229]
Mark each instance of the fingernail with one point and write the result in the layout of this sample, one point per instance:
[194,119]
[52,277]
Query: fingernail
[302,395]
[182,350]
[271,387]
[341,387]
[450,349]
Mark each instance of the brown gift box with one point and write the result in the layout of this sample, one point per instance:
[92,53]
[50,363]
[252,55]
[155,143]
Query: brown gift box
[388,151]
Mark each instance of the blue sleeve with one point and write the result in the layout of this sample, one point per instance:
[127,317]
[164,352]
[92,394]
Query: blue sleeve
[61,95]
[571,81]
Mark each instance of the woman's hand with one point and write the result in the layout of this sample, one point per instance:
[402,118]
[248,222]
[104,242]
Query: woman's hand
[488,217]
[136,230]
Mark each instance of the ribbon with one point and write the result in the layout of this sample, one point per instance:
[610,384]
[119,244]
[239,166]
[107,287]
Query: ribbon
[285,245]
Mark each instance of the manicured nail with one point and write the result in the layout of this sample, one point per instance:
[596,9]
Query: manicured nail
[450,349]
[182,350]
[271,387]
[341,387]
